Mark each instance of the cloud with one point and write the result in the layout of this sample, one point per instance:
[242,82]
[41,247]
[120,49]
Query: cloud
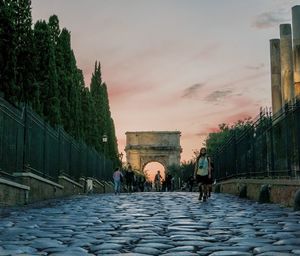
[270,19]
[192,90]
[217,95]
[207,51]
[257,67]
[236,117]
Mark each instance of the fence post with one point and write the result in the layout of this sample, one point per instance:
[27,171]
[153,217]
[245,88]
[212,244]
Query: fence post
[272,148]
[44,148]
[252,169]
[235,154]
[287,139]
[59,150]
[25,140]
[297,113]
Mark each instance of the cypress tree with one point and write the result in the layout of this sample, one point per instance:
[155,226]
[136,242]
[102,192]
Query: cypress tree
[54,29]
[69,84]
[81,87]
[97,95]
[46,75]
[75,88]
[62,60]
[8,53]
[110,128]
[91,136]
[25,77]
[103,117]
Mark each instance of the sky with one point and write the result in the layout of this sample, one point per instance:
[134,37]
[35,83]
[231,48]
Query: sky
[175,65]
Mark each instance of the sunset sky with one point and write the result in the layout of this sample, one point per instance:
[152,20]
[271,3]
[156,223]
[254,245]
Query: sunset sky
[184,65]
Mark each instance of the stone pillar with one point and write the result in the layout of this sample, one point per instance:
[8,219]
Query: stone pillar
[286,60]
[296,47]
[275,75]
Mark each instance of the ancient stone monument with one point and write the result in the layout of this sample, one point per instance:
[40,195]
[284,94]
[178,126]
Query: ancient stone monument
[155,146]
[285,63]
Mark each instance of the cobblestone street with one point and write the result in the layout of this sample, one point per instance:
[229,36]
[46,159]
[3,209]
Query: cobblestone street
[151,224]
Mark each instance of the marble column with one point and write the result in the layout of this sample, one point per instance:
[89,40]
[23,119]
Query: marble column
[286,60]
[296,47]
[275,75]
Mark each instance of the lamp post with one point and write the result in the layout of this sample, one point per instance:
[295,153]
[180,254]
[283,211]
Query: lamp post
[104,140]
[121,158]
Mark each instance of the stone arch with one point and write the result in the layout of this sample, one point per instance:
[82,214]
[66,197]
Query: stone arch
[145,147]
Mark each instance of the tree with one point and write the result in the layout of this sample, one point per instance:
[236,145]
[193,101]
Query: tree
[8,53]
[25,51]
[62,57]
[98,99]
[103,116]
[54,29]
[216,140]
[46,75]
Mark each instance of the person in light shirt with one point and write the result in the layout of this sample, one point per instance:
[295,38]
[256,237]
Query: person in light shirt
[202,173]
[117,180]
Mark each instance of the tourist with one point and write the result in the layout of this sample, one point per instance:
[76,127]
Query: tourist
[202,173]
[190,182]
[129,177]
[117,176]
[157,181]
[169,182]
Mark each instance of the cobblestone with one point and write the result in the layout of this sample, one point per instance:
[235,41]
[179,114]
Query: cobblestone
[142,224]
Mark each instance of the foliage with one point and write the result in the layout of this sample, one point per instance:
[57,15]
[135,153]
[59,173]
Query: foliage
[7,53]
[215,140]
[46,76]
[181,173]
[38,68]
[103,115]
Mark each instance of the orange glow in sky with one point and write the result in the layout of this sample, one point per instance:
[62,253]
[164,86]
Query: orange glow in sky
[152,168]
[190,67]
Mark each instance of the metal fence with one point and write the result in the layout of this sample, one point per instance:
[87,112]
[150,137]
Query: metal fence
[27,142]
[270,147]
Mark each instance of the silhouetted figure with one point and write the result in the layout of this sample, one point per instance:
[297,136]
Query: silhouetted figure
[190,182]
[157,181]
[129,177]
[169,182]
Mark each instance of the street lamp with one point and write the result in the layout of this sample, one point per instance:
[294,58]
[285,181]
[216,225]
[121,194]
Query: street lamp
[120,158]
[104,140]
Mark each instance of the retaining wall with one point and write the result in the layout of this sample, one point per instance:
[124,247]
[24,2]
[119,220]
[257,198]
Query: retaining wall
[281,191]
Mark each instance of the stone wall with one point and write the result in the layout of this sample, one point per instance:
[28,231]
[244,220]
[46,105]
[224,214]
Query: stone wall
[12,193]
[30,188]
[40,188]
[98,187]
[70,187]
[280,191]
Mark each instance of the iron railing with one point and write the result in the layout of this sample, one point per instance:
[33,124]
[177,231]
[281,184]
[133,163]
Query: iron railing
[270,147]
[28,143]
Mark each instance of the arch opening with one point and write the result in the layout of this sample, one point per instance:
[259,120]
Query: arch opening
[151,168]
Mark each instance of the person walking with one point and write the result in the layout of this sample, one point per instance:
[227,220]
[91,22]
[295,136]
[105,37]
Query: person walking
[117,176]
[157,181]
[202,173]
[129,177]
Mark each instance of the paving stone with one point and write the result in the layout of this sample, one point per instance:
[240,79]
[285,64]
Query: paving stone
[147,250]
[277,248]
[275,254]
[149,224]
[230,253]
[180,254]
